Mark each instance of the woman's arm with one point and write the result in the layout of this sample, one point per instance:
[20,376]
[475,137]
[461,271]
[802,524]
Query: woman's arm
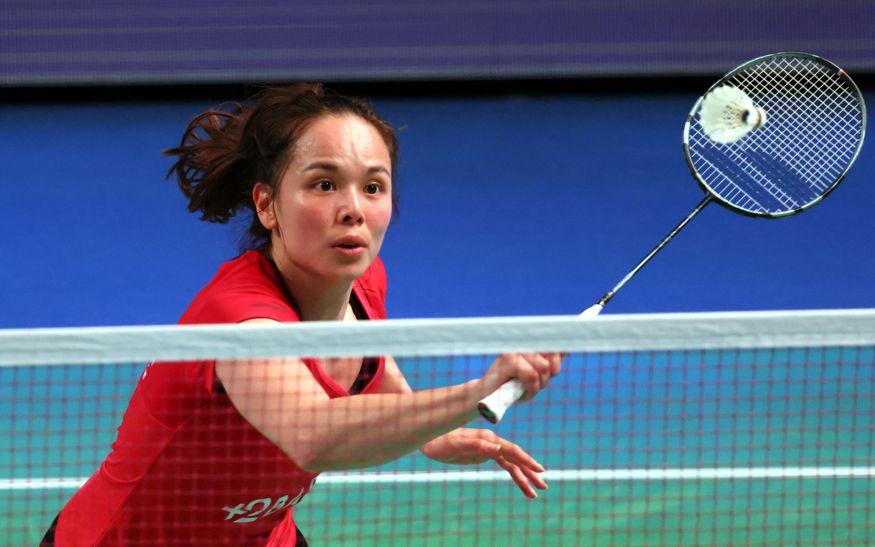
[472,446]
[281,399]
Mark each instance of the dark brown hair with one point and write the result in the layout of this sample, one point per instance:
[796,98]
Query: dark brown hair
[227,150]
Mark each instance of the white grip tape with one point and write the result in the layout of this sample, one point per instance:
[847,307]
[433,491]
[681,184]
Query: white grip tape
[492,407]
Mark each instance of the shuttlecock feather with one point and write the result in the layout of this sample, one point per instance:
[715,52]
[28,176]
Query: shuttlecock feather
[728,114]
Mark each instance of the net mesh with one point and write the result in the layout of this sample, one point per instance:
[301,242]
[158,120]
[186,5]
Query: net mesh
[815,125]
[752,429]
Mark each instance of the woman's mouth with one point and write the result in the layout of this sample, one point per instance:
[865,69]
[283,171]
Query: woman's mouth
[350,246]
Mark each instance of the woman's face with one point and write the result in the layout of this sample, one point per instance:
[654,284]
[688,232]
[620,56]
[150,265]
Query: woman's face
[333,204]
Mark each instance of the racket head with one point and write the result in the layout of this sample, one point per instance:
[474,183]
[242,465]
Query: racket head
[814,130]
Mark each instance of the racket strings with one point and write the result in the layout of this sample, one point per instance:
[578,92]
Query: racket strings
[813,130]
[822,130]
[827,91]
[803,95]
[755,192]
[813,95]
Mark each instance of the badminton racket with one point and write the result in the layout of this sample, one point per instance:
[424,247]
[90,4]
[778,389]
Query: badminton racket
[770,139]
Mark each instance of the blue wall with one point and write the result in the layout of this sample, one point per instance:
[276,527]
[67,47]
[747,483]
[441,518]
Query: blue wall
[509,206]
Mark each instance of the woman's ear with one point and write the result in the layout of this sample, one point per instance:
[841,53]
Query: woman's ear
[262,196]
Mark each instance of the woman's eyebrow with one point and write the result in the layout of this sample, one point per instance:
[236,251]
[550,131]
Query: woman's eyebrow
[333,167]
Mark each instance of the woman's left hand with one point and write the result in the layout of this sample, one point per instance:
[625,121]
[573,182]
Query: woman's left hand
[473,446]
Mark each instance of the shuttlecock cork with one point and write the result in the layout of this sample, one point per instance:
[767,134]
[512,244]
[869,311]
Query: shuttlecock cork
[728,114]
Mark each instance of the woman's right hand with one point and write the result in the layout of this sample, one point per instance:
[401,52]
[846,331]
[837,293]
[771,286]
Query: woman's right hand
[534,370]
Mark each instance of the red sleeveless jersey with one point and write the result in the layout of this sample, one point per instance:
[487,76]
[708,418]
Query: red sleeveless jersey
[186,467]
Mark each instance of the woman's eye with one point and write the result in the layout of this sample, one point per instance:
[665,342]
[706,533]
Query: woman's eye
[372,188]
[325,186]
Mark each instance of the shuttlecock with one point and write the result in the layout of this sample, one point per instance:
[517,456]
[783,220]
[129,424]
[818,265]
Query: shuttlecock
[728,114]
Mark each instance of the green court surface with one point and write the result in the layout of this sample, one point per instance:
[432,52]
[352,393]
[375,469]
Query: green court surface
[766,512]
[806,511]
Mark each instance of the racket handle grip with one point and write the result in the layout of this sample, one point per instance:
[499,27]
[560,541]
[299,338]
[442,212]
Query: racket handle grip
[492,407]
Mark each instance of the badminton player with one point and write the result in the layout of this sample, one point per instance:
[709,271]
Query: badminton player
[219,453]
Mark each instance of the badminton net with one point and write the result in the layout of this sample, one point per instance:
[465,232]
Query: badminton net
[719,428]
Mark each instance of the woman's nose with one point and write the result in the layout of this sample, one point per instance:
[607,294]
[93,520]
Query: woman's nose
[350,209]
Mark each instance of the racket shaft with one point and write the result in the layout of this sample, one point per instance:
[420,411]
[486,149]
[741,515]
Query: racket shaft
[493,406]
[610,294]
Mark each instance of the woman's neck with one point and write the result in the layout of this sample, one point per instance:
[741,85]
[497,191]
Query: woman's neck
[317,298]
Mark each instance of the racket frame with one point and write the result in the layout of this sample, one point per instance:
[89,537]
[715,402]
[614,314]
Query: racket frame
[735,72]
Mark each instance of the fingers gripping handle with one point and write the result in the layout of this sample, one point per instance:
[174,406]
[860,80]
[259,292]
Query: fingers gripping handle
[492,407]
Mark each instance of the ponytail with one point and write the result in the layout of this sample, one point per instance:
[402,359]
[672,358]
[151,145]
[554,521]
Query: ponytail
[209,168]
